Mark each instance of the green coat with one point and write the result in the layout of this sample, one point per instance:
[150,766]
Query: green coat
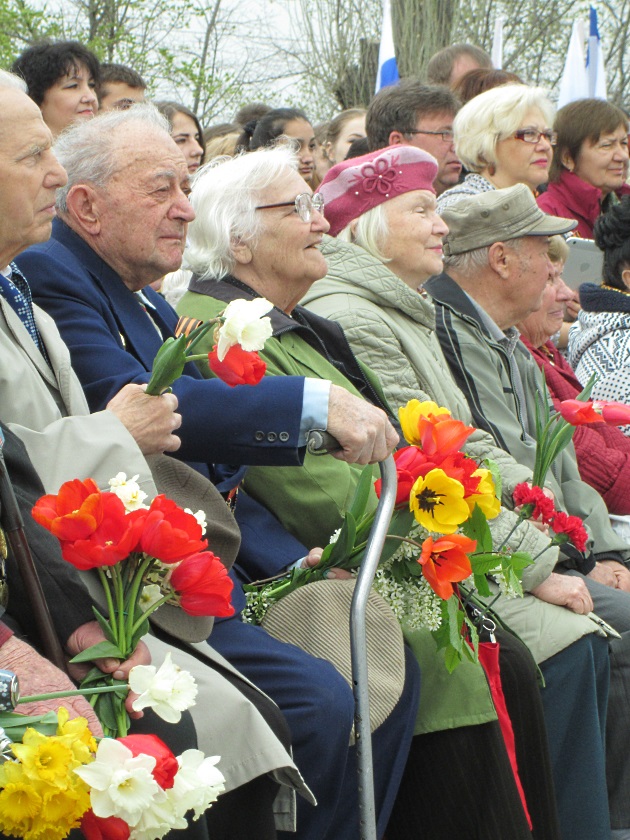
[326,486]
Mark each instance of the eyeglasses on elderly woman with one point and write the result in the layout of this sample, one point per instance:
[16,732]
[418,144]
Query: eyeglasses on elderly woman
[304,203]
[533,135]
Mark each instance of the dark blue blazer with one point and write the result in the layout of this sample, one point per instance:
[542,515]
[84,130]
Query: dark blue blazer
[113,342]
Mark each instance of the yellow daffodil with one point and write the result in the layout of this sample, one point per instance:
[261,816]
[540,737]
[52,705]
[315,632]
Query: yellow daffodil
[438,503]
[76,734]
[42,757]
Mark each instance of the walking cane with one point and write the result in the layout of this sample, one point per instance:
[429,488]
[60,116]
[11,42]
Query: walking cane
[13,526]
[358,640]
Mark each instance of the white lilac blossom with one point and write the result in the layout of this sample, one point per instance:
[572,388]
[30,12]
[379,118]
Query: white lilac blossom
[168,690]
[243,324]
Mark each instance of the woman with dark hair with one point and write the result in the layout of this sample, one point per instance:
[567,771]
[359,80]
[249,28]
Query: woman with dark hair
[590,163]
[283,122]
[62,78]
[186,132]
[599,343]
[483,78]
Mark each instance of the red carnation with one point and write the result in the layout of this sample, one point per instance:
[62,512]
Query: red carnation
[168,532]
[166,765]
[534,502]
[572,527]
[203,585]
[239,367]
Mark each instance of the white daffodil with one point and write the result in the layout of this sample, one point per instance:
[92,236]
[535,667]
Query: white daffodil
[168,690]
[200,516]
[128,491]
[198,782]
[243,324]
[121,785]
[150,594]
[158,820]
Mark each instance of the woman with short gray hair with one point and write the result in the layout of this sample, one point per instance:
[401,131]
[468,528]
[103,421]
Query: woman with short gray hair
[503,137]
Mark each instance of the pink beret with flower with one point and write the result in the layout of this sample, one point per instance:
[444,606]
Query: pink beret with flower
[353,187]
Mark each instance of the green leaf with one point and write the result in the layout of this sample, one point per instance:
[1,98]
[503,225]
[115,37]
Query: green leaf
[105,709]
[476,528]
[484,563]
[585,393]
[342,548]
[104,625]
[518,561]
[362,493]
[481,585]
[495,472]
[98,651]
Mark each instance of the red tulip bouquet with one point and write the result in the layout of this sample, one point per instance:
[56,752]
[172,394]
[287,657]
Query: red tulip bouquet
[239,331]
[145,556]
[438,535]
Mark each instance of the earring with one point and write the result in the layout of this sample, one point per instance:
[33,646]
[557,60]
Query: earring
[491,169]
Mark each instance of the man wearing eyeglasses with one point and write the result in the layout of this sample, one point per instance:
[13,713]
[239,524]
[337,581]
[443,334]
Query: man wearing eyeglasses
[417,115]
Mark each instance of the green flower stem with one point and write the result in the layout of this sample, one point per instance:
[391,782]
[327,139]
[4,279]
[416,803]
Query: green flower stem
[146,614]
[197,335]
[83,692]
[110,603]
[132,595]
[525,512]
[123,642]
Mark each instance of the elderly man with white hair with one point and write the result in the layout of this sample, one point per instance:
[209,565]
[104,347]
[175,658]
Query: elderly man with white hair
[122,224]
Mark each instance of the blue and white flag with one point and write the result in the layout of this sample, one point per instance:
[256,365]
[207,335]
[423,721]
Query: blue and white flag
[595,60]
[584,75]
[387,68]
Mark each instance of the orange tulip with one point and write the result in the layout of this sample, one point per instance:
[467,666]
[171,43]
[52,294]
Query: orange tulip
[445,561]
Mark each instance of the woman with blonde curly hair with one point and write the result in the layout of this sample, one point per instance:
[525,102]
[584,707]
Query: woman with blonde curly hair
[503,137]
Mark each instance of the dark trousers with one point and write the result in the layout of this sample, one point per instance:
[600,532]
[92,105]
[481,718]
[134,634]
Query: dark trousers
[319,706]
[575,700]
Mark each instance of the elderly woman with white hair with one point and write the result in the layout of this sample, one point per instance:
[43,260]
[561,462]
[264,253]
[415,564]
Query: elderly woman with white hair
[503,137]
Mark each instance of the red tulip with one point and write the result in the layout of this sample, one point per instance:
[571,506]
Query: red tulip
[411,463]
[168,532]
[203,585]
[239,367]
[74,513]
[103,828]
[166,765]
[577,412]
[445,561]
[613,413]
[113,540]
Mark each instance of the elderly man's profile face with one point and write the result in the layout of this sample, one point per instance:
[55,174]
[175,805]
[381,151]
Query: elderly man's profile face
[29,175]
[144,209]
[530,275]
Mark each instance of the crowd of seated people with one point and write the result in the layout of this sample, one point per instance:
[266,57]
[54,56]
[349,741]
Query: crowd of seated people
[444,286]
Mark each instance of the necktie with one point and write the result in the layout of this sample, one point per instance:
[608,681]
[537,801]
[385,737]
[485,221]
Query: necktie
[17,293]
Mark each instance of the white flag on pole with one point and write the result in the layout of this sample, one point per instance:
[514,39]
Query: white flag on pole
[497,43]
[574,82]
[595,60]
[387,68]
